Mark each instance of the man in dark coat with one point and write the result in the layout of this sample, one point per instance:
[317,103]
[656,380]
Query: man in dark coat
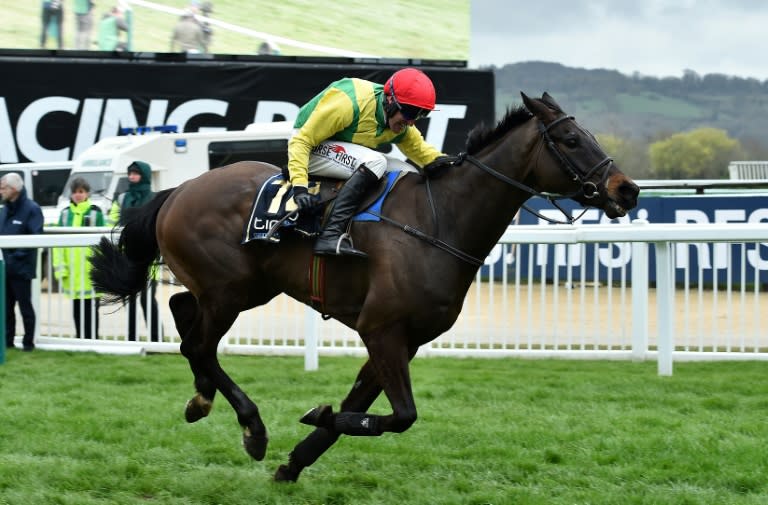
[19,216]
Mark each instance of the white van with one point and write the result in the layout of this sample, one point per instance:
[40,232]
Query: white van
[45,182]
[174,157]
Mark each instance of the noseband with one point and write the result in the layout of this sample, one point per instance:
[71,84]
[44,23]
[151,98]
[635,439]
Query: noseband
[587,187]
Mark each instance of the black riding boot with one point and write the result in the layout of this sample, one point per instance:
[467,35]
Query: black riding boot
[333,240]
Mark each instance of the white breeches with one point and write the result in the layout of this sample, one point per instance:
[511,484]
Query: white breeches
[339,160]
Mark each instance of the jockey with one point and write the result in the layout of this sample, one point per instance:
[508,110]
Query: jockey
[337,132]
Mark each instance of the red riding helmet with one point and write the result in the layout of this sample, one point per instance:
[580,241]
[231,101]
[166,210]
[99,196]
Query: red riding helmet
[411,86]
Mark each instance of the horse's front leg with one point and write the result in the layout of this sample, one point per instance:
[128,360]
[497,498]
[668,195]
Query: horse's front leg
[364,392]
[389,355]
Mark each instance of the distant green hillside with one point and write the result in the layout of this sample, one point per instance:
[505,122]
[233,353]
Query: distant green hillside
[644,108]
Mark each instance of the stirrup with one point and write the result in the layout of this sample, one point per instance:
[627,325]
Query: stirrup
[339,250]
[343,237]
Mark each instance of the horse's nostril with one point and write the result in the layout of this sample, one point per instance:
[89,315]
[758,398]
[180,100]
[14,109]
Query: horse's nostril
[629,190]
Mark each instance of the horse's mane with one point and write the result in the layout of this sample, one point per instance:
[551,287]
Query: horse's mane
[481,135]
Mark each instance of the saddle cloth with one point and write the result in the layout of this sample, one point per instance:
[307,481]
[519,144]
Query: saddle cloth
[274,200]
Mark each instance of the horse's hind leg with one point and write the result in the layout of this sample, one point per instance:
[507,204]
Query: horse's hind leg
[215,316]
[185,314]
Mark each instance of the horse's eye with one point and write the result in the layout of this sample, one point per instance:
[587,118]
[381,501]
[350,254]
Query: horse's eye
[572,140]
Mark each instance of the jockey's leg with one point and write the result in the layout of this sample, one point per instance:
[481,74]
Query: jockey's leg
[331,240]
[363,167]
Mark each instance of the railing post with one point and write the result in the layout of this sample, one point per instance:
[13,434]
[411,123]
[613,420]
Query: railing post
[665,290]
[639,297]
[36,288]
[311,360]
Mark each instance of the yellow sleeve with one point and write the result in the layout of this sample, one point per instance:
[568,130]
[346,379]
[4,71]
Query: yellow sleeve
[114,214]
[416,148]
[333,113]
[60,256]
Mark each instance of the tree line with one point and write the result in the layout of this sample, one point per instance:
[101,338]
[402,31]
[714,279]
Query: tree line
[657,128]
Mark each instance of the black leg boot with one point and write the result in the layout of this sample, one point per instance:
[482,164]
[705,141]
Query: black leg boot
[333,240]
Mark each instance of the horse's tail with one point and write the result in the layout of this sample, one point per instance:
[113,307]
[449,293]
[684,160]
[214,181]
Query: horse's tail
[121,270]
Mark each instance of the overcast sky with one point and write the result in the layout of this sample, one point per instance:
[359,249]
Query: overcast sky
[658,38]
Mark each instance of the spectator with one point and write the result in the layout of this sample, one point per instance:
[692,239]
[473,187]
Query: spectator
[110,27]
[71,265]
[53,14]
[187,35]
[207,9]
[19,216]
[139,192]
[83,23]
[269,47]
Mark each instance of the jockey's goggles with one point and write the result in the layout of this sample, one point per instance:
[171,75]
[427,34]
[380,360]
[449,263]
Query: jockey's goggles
[409,112]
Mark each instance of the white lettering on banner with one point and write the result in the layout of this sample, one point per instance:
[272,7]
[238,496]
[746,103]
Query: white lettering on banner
[564,254]
[186,111]
[268,111]
[623,250]
[118,113]
[681,250]
[720,252]
[753,256]
[102,118]
[29,120]
[619,254]
[7,145]
[156,113]
[438,123]
[89,125]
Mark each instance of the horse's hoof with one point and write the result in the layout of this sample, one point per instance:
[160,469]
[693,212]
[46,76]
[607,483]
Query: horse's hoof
[321,416]
[255,446]
[284,474]
[197,408]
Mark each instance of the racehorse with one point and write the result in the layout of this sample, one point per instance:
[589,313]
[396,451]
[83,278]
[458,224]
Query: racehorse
[423,257]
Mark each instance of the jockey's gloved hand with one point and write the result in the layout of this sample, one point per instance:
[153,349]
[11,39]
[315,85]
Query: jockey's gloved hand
[302,198]
[438,167]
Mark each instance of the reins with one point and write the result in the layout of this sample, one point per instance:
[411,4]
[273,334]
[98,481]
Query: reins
[588,188]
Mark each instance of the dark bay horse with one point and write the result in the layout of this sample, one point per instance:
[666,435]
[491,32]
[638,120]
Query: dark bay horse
[408,292]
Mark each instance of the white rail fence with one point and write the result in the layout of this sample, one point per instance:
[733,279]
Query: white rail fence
[508,311]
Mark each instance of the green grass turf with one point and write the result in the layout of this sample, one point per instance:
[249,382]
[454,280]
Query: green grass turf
[81,429]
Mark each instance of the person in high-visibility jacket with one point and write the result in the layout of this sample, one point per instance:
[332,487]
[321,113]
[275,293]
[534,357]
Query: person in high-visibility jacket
[337,134]
[71,266]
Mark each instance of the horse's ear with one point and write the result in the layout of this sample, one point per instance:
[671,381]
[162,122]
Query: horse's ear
[538,108]
[547,99]
[528,102]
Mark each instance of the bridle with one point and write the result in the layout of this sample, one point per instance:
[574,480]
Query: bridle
[588,188]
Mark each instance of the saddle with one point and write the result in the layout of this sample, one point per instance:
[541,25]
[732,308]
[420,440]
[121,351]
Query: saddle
[273,206]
